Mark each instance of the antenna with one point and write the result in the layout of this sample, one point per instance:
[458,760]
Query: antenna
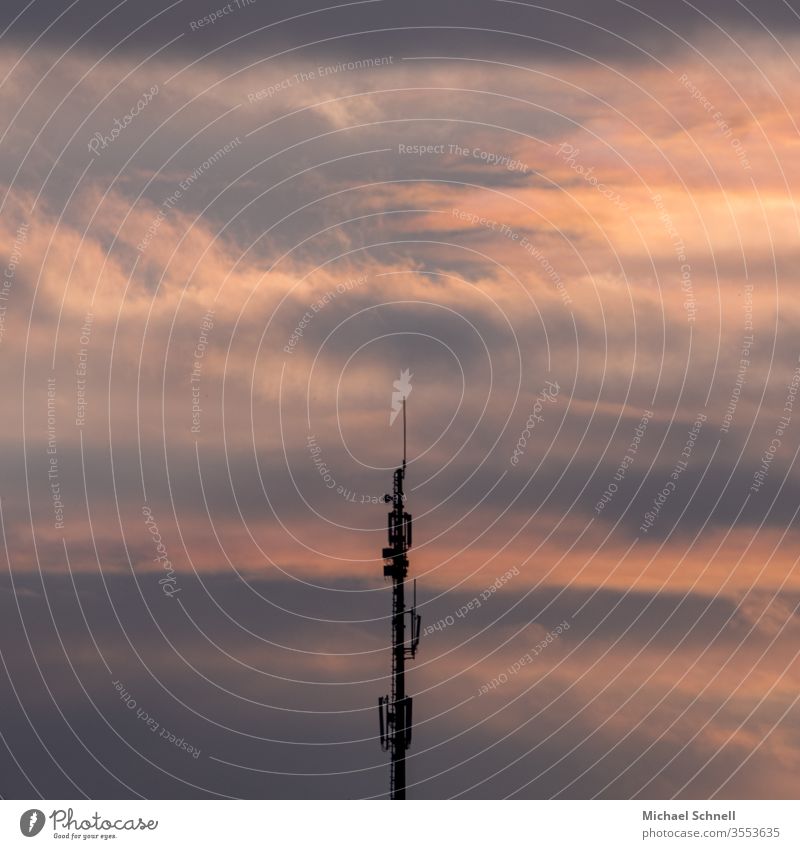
[395,709]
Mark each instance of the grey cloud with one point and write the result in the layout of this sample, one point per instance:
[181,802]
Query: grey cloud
[397,27]
[331,726]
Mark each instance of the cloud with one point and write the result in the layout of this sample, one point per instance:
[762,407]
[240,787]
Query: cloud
[206,318]
[262,675]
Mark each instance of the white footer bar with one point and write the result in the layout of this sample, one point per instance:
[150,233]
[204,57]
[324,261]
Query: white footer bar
[417,825]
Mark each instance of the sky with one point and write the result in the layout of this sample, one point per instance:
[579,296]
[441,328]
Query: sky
[226,233]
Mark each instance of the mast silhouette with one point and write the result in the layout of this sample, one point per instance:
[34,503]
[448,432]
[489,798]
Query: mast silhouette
[395,709]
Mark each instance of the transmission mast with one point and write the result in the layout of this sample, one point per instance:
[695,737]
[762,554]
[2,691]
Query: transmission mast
[395,709]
